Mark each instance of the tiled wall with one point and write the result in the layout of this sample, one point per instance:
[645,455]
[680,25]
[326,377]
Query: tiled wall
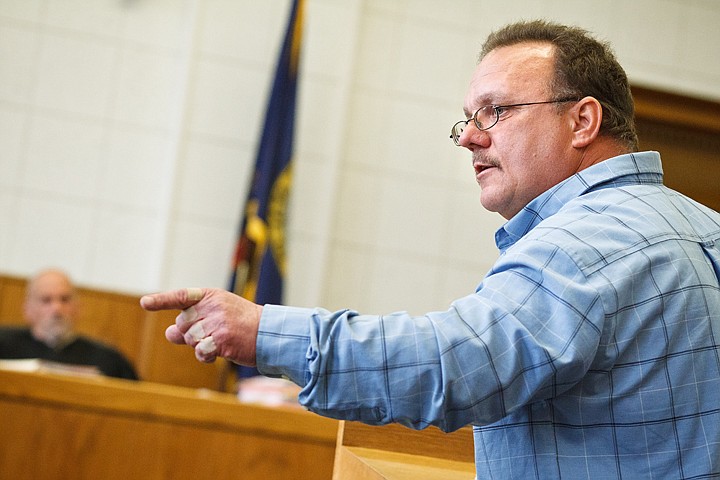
[128,130]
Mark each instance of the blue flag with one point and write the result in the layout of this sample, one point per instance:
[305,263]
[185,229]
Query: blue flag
[259,261]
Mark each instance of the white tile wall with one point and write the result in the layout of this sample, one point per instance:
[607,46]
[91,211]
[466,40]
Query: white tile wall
[225,101]
[198,254]
[211,177]
[123,251]
[50,230]
[350,271]
[700,55]
[601,18]
[399,282]
[429,59]
[64,157]
[8,217]
[328,37]
[163,24]
[667,18]
[370,134]
[306,252]
[135,160]
[359,202]
[13,125]
[86,16]
[307,201]
[428,151]
[74,75]
[18,46]
[249,31]
[469,237]
[146,89]
[402,199]
[128,132]
[22,10]
[317,119]
[378,54]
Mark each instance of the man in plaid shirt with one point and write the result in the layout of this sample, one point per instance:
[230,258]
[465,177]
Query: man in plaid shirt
[592,347]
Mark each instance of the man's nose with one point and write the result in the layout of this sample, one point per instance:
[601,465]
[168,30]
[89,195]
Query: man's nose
[472,136]
[57,305]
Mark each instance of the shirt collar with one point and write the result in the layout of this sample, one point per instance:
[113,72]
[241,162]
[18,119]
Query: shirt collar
[643,167]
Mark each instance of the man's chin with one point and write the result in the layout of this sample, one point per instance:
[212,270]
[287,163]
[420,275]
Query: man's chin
[492,205]
[55,336]
[487,200]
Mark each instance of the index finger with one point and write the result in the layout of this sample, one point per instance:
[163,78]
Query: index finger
[173,299]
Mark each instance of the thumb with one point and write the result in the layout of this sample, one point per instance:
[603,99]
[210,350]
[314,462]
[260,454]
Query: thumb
[173,299]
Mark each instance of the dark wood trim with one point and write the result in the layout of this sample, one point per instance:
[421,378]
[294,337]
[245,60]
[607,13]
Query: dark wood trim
[676,110]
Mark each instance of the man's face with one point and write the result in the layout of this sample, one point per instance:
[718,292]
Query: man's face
[50,307]
[529,149]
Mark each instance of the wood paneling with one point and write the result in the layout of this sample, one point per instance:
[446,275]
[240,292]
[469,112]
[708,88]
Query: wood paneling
[12,293]
[681,111]
[691,159]
[57,427]
[686,132]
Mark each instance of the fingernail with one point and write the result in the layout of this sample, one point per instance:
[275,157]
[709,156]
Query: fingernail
[147,301]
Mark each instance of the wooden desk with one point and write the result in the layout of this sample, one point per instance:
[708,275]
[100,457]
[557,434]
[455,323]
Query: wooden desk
[394,452]
[60,427]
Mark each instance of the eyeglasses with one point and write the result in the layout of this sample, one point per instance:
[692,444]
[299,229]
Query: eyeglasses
[487,116]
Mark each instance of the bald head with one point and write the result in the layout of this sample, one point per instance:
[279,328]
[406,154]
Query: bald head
[50,306]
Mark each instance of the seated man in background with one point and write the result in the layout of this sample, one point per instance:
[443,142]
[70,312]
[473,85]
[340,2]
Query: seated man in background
[50,307]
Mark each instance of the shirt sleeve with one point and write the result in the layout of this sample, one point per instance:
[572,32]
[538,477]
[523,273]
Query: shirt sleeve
[528,333]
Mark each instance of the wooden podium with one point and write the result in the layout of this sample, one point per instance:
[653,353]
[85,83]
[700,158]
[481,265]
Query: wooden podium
[77,428]
[394,452]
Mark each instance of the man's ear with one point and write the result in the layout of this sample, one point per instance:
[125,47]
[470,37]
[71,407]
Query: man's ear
[587,117]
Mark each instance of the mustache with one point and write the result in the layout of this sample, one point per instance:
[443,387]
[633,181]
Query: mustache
[58,318]
[480,158]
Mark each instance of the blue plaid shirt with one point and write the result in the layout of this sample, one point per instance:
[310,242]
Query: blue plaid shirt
[590,350]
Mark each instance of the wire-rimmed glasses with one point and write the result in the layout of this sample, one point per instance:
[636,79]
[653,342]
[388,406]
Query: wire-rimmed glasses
[487,116]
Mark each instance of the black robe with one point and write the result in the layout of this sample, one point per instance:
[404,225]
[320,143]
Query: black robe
[17,343]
